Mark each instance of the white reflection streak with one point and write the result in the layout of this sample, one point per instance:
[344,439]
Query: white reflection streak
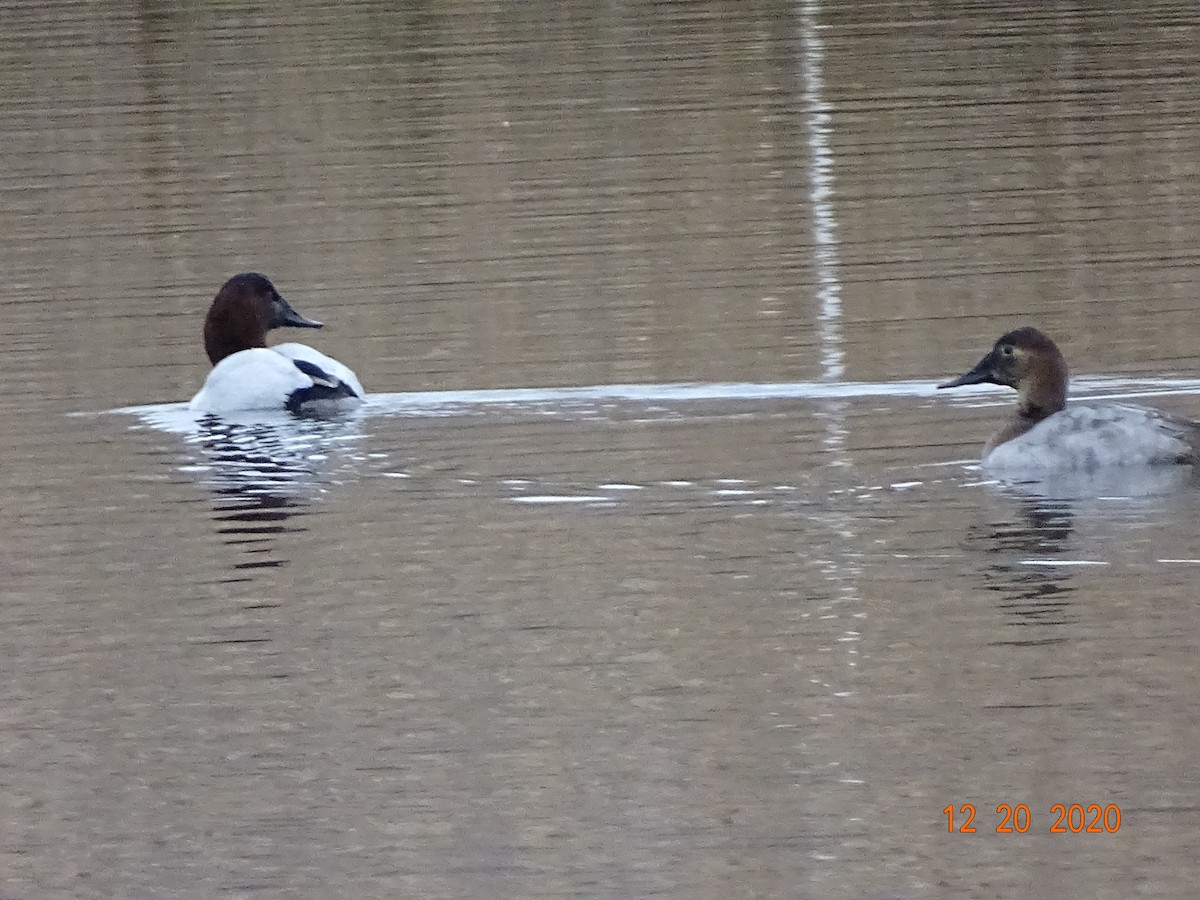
[818,120]
[842,570]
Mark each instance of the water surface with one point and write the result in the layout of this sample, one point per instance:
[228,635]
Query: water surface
[655,566]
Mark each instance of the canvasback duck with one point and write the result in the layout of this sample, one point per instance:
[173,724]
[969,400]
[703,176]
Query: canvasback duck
[247,375]
[1046,434]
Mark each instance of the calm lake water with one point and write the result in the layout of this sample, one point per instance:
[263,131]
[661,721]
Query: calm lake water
[655,566]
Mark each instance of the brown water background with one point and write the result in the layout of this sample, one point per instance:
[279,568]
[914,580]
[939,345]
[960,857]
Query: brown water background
[731,644]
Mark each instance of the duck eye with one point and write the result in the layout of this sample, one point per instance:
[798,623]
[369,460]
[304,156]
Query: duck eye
[1007,350]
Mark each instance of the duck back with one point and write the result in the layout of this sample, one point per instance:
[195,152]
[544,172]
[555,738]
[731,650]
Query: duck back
[1092,435]
[327,364]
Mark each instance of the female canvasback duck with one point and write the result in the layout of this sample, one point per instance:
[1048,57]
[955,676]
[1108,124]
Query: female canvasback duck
[247,375]
[1045,434]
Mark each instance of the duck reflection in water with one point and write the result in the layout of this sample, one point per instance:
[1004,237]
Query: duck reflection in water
[263,474]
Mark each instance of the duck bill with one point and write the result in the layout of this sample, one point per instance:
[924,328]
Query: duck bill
[981,374]
[286,315]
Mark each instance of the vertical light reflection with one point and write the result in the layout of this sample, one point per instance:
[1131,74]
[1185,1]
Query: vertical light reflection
[843,568]
[817,121]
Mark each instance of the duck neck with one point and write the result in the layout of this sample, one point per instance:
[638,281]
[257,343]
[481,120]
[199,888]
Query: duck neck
[1043,395]
[232,330]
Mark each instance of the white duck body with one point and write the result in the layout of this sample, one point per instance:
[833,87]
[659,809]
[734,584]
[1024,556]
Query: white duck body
[268,378]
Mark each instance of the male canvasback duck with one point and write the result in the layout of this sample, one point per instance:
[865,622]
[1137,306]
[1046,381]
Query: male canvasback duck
[1046,434]
[247,375]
